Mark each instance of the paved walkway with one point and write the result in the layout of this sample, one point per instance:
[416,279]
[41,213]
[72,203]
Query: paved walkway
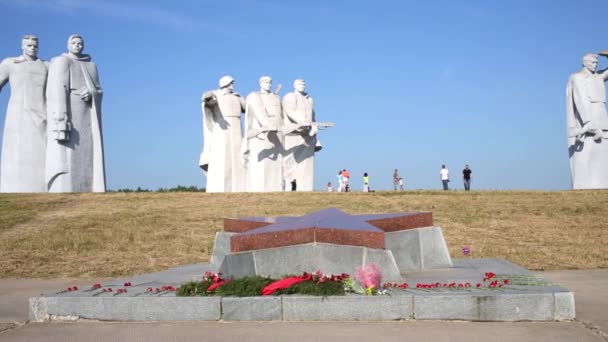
[590,290]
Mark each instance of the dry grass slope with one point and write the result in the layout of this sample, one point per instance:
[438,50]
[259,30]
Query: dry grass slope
[117,234]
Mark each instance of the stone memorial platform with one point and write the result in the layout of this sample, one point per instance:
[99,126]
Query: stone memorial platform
[332,241]
[407,247]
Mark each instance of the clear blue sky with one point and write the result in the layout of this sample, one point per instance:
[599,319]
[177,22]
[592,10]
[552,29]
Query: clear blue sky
[409,84]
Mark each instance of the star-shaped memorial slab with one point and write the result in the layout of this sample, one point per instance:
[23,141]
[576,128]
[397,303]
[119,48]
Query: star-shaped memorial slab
[327,226]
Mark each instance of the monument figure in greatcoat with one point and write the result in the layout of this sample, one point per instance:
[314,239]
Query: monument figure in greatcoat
[263,146]
[24,138]
[588,125]
[75,156]
[221,158]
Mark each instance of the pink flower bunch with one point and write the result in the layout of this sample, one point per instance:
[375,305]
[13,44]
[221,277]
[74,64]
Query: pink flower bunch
[369,276]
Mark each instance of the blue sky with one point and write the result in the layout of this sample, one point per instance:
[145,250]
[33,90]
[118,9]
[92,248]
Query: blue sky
[409,84]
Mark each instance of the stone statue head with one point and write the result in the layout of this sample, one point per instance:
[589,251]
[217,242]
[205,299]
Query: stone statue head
[75,44]
[29,45]
[299,85]
[265,83]
[227,82]
[590,61]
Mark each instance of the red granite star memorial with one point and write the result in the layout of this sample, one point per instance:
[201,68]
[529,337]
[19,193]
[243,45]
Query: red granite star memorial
[325,226]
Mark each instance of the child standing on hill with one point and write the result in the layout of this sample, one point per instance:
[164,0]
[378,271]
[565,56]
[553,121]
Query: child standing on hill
[365,182]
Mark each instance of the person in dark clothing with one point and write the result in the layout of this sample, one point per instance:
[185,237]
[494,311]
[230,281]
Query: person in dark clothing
[466,177]
[293,185]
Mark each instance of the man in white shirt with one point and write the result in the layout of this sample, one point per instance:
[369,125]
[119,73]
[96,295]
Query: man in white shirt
[444,176]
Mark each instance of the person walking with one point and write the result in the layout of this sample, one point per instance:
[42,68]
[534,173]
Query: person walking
[444,175]
[400,183]
[466,177]
[395,179]
[365,182]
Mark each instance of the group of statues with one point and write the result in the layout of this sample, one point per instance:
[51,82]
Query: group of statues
[52,138]
[53,141]
[276,149]
[588,125]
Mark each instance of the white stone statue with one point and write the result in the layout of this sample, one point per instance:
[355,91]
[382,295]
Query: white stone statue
[24,139]
[221,159]
[75,161]
[301,143]
[263,147]
[588,125]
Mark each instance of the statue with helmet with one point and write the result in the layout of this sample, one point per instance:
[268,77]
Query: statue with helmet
[221,158]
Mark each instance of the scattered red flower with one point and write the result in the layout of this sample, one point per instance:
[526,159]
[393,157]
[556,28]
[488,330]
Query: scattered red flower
[489,275]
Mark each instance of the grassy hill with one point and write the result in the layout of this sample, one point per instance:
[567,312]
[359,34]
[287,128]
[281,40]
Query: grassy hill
[116,234]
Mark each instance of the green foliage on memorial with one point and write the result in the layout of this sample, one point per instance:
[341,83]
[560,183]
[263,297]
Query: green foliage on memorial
[312,288]
[244,287]
[252,286]
[193,288]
